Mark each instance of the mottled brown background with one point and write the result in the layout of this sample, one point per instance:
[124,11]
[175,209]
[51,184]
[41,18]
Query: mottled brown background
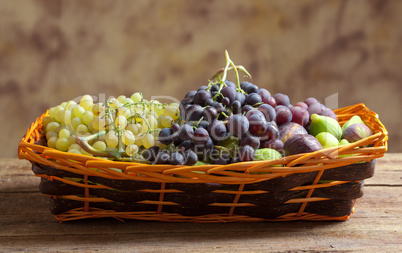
[53,51]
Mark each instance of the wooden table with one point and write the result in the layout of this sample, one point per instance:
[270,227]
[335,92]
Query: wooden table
[27,225]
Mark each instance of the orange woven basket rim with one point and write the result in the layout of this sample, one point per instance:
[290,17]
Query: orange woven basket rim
[378,140]
[238,173]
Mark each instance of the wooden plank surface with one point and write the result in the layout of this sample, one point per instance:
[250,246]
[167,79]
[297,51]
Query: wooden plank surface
[27,225]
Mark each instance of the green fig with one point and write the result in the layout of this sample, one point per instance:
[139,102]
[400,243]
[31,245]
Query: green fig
[342,143]
[327,140]
[321,124]
[266,154]
[356,132]
[354,120]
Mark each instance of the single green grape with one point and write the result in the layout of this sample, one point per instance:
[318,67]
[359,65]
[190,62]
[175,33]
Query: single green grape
[138,139]
[70,105]
[51,134]
[98,123]
[91,129]
[121,98]
[51,143]
[75,122]
[114,103]
[64,133]
[62,144]
[90,108]
[46,120]
[152,124]
[56,111]
[59,115]
[52,126]
[67,117]
[165,121]
[64,104]
[128,137]
[127,101]
[81,129]
[131,149]
[78,111]
[148,141]
[136,97]
[121,121]
[134,128]
[87,117]
[125,112]
[108,122]
[86,101]
[99,145]
[74,146]
[172,112]
[51,112]
[158,108]
[111,139]
[98,108]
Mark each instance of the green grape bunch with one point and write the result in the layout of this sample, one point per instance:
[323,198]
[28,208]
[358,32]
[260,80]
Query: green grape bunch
[118,129]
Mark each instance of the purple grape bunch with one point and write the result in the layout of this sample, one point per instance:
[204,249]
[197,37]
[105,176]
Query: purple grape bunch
[226,122]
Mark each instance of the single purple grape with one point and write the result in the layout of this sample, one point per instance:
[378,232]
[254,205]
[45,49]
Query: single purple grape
[258,125]
[282,99]
[237,125]
[302,105]
[201,136]
[246,153]
[264,93]
[268,111]
[300,115]
[283,115]
[310,101]
[270,101]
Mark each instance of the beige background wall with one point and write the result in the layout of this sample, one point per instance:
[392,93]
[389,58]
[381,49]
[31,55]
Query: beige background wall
[53,51]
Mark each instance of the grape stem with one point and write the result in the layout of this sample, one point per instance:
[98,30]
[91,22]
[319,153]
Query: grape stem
[83,142]
[198,122]
[146,121]
[229,66]
[119,135]
[115,154]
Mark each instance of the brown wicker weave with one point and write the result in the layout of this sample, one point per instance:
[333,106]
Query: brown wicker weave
[321,185]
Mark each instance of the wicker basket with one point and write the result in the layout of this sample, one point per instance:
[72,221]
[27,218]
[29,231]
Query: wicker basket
[322,185]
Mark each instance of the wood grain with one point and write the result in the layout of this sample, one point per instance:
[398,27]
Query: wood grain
[27,225]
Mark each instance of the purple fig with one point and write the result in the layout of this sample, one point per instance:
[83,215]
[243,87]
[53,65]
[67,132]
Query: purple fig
[356,132]
[301,143]
[289,129]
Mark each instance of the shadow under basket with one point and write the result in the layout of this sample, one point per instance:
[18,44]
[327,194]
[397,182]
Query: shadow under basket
[321,185]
